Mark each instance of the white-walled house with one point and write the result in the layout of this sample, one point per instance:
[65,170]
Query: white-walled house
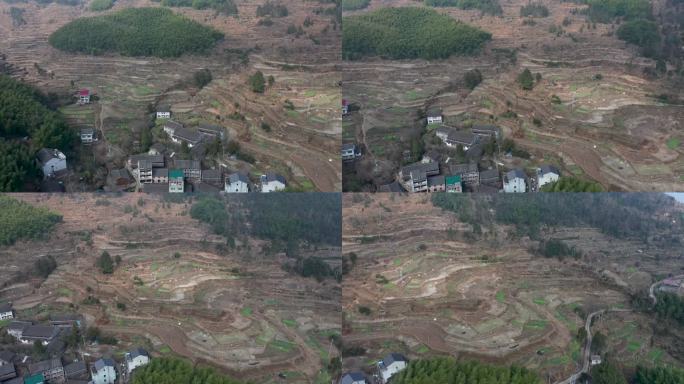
[515,181]
[163,112]
[87,135]
[272,182]
[391,364]
[51,161]
[6,312]
[237,183]
[103,371]
[353,378]
[547,174]
[136,358]
[434,116]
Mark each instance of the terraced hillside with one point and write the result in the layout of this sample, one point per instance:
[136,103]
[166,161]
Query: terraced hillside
[184,292]
[303,139]
[423,283]
[595,112]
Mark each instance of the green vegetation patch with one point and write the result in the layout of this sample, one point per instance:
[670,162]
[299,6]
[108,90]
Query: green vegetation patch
[409,33]
[537,324]
[501,296]
[22,221]
[282,345]
[353,5]
[491,7]
[673,143]
[226,7]
[101,5]
[539,301]
[246,311]
[290,323]
[136,32]
[440,369]
[167,370]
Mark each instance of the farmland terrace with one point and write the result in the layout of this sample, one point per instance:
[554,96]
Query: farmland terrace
[184,294]
[608,127]
[435,289]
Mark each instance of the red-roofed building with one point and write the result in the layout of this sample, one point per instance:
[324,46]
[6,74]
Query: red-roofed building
[84,96]
[345,107]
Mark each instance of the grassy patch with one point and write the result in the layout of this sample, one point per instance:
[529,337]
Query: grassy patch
[500,296]
[291,113]
[282,345]
[536,324]
[164,349]
[423,349]
[673,143]
[310,93]
[246,311]
[539,301]
[290,323]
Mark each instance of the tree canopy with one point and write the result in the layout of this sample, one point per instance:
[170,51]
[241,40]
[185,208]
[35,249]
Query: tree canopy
[23,221]
[226,7]
[491,7]
[659,375]
[670,306]
[571,184]
[136,32]
[446,370]
[353,5]
[167,370]
[640,32]
[409,33]
[604,11]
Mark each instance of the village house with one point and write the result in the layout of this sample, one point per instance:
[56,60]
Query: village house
[436,183]
[7,372]
[51,161]
[192,169]
[431,156]
[486,130]
[136,358]
[160,175]
[547,174]
[345,107]
[216,131]
[157,161]
[76,371]
[43,333]
[415,176]
[353,378]
[176,181]
[145,172]
[103,371]
[52,370]
[470,175]
[237,183]
[163,112]
[143,166]
[156,149]
[66,320]
[272,182]
[390,365]
[595,359]
[6,357]
[121,179]
[490,177]
[184,135]
[391,187]
[171,126]
[453,137]
[84,96]
[515,181]
[16,328]
[6,311]
[434,116]
[87,135]
[212,177]
[453,184]
[349,152]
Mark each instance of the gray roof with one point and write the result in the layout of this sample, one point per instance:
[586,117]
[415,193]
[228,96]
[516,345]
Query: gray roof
[435,180]
[544,169]
[45,365]
[172,124]
[18,380]
[212,174]
[7,356]
[489,175]
[486,128]
[420,167]
[75,369]
[393,357]
[160,172]
[5,307]
[391,187]
[121,174]
[102,363]
[238,176]
[462,137]
[47,154]
[348,147]
[275,177]
[40,331]
[138,352]
[163,108]
[7,369]
[210,128]
[434,111]
[186,164]
[87,131]
[352,377]
[187,135]
[516,173]
[145,157]
[18,325]
[459,169]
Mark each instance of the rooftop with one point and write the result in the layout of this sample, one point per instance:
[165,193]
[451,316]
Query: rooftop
[238,176]
[6,307]
[40,331]
[45,365]
[47,154]
[175,174]
[135,352]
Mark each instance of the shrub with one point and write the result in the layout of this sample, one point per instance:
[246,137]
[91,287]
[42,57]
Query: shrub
[257,82]
[472,78]
[101,5]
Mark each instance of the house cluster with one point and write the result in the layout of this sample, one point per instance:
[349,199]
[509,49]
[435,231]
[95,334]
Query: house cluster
[16,368]
[671,285]
[389,366]
[52,162]
[517,180]
[426,176]
[153,172]
[350,152]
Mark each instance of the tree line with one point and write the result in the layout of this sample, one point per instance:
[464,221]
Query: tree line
[26,113]
[409,33]
[446,370]
[491,7]
[136,32]
[23,221]
[226,7]
[167,370]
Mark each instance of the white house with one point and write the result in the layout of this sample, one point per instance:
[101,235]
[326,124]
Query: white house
[136,358]
[84,96]
[434,116]
[595,359]
[6,312]
[51,161]
[547,174]
[171,126]
[237,183]
[272,182]
[348,151]
[103,371]
[163,112]
[87,135]
[353,378]
[515,181]
[390,365]
[345,107]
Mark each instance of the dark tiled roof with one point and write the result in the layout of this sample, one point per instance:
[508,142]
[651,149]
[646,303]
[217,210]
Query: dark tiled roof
[75,369]
[351,377]
[238,176]
[5,307]
[138,352]
[393,357]
[47,154]
[160,172]
[515,173]
[45,365]
[275,177]
[40,331]
[186,164]
[7,369]
[544,169]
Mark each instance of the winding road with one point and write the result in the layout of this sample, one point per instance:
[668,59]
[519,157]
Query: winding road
[586,351]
